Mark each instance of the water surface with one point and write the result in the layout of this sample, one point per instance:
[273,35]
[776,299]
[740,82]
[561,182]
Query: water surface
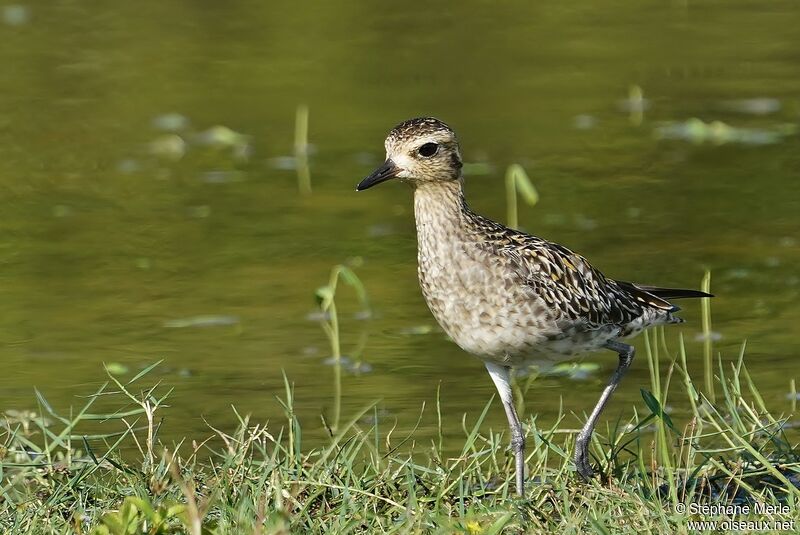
[121,244]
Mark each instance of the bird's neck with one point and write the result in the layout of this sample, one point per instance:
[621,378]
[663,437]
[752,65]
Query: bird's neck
[440,212]
[439,203]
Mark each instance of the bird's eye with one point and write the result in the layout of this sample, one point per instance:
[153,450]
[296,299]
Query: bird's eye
[428,149]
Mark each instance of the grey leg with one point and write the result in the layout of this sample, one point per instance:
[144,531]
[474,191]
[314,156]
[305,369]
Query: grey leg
[626,353]
[501,376]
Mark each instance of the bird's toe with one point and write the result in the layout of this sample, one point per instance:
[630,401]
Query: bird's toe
[583,468]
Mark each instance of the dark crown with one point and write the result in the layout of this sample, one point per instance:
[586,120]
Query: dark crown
[419,126]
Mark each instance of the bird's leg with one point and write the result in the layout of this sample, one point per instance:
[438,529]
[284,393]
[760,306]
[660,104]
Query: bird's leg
[626,353]
[501,376]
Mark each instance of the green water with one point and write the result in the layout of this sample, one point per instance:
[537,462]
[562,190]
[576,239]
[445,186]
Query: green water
[110,243]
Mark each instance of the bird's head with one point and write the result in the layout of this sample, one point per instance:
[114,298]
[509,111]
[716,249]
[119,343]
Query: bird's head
[418,151]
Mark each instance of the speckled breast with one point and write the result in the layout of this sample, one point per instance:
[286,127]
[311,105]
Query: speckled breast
[483,307]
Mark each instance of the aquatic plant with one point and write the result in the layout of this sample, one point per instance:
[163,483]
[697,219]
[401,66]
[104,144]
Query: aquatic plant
[517,181]
[301,149]
[698,132]
[326,300]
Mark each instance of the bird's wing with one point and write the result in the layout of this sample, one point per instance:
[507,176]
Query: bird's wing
[573,288]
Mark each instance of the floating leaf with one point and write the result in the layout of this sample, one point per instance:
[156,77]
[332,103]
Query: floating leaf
[221,176]
[753,106]
[115,368]
[584,122]
[476,168]
[635,103]
[697,131]
[128,166]
[417,330]
[171,122]
[16,15]
[355,367]
[222,137]
[169,147]
[283,163]
[714,336]
[202,321]
[318,315]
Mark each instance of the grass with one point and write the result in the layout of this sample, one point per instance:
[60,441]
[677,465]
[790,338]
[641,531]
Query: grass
[708,360]
[108,473]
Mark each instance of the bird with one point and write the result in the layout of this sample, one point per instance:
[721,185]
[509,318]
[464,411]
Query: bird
[508,297]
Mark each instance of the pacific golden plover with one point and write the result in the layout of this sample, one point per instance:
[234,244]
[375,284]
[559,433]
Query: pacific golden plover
[505,296]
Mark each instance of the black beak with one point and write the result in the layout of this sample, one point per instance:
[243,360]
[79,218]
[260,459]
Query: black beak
[381,174]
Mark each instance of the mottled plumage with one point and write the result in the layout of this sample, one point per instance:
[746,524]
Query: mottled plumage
[506,296]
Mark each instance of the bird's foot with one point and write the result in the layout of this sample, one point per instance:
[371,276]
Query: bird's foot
[582,465]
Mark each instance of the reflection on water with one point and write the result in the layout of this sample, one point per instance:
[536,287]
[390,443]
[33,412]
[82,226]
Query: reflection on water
[151,206]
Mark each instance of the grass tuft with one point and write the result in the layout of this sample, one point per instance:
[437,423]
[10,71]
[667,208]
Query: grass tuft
[108,472]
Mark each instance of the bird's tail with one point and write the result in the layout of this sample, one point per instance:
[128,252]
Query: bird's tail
[659,297]
[673,293]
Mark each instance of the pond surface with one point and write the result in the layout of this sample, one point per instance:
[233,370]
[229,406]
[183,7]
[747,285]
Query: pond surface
[132,230]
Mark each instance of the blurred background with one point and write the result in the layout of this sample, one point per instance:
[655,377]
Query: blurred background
[151,209]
